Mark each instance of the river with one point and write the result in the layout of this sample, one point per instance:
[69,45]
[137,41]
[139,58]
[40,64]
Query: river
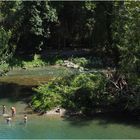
[16,85]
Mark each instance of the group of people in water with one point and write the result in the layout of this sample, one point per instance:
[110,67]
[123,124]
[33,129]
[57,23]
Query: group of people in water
[13,114]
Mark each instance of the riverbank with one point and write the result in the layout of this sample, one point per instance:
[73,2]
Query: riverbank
[77,63]
[20,82]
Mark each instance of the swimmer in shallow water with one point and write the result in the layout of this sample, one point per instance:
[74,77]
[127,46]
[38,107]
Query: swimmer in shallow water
[25,118]
[3,109]
[8,120]
[13,109]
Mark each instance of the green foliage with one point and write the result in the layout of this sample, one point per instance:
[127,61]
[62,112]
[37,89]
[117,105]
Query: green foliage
[126,35]
[82,61]
[47,97]
[126,39]
[87,93]
[83,92]
[32,25]
[8,13]
[4,45]
[60,62]
[27,64]
[36,62]
[35,21]
[4,68]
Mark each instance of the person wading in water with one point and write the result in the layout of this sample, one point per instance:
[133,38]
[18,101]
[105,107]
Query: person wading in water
[25,118]
[3,109]
[13,109]
[8,120]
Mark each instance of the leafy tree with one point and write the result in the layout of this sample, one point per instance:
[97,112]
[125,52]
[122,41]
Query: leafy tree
[35,19]
[126,36]
[84,92]
[5,50]
[46,99]
[74,30]
[9,13]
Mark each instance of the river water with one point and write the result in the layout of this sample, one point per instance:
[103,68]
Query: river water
[17,84]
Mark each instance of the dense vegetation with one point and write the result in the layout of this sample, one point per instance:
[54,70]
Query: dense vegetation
[78,92]
[87,94]
[110,30]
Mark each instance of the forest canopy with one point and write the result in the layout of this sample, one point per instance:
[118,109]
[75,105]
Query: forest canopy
[110,28]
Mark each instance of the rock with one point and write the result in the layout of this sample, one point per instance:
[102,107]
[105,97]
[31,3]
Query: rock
[70,64]
[76,66]
[66,61]
[81,69]
[24,68]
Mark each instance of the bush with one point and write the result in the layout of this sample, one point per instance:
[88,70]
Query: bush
[81,92]
[60,62]
[36,62]
[47,97]
[83,62]
[4,68]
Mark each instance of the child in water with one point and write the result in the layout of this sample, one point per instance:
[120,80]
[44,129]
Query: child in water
[8,120]
[13,109]
[25,118]
[3,109]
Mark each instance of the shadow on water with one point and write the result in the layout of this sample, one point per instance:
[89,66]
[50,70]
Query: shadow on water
[105,119]
[15,92]
[20,92]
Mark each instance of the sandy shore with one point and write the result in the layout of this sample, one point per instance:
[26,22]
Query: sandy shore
[56,111]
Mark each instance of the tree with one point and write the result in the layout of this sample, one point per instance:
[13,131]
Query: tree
[75,26]
[5,51]
[126,36]
[35,19]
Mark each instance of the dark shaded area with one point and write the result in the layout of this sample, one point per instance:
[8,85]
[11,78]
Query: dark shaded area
[105,119]
[15,92]
[64,26]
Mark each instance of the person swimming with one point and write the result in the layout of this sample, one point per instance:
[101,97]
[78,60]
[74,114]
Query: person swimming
[25,118]
[13,109]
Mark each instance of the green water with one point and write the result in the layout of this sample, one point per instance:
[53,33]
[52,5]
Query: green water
[46,71]
[16,83]
[35,76]
[48,127]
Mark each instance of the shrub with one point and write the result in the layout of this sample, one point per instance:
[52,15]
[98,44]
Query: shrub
[4,68]
[36,62]
[81,92]
[47,97]
[60,62]
[83,62]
